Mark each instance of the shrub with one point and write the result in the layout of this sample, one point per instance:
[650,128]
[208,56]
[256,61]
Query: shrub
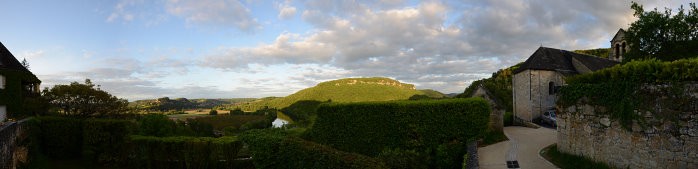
[271,148]
[508,119]
[449,155]
[230,131]
[370,127]
[106,140]
[213,112]
[185,152]
[200,128]
[237,111]
[156,125]
[61,137]
[406,159]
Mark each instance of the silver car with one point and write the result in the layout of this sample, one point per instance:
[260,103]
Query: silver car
[549,117]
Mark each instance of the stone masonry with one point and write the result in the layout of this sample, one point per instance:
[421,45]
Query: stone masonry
[669,141]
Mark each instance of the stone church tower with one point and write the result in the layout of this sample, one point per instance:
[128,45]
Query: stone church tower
[618,46]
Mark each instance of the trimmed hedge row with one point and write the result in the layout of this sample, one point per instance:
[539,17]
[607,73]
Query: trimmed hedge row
[97,139]
[271,148]
[370,127]
[185,152]
[645,71]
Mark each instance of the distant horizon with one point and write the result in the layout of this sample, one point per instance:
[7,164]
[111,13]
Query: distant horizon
[140,50]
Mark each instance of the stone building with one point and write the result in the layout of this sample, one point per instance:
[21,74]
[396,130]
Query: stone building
[16,84]
[618,46]
[537,80]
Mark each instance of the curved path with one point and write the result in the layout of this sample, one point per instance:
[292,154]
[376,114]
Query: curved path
[523,146]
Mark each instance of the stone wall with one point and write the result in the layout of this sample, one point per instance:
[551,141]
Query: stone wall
[497,116]
[12,134]
[530,91]
[667,138]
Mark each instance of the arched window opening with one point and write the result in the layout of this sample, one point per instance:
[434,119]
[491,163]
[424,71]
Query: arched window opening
[617,50]
[623,48]
[551,88]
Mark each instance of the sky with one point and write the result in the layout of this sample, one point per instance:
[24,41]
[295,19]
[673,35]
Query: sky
[144,49]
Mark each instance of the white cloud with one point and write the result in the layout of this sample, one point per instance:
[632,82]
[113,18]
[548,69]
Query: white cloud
[31,55]
[223,12]
[286,11]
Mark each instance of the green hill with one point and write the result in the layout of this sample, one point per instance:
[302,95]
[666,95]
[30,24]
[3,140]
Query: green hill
[300,104]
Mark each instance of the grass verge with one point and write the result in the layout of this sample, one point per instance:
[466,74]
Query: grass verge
[564,160]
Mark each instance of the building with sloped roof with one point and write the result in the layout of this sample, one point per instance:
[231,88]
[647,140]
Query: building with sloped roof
[536,81]
[17,84]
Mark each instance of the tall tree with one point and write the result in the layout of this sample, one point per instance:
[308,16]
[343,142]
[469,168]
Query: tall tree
[83,100]
[663,35]
[25,63]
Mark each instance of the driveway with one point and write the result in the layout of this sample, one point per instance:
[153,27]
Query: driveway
[523,147]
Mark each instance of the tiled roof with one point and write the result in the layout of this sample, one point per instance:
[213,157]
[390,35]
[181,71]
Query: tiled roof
[561,61]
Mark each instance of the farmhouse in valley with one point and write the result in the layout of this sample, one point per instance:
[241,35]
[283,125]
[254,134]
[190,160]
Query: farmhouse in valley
[537,80]
[16,84]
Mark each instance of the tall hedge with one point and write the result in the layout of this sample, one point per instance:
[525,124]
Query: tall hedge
[271,148]
[60,137]
[185,152]
[106,141]
[370,127]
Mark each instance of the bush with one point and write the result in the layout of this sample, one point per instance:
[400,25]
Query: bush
[105,141]
[405,159]
[370,127]
[450,155]
[237,111]
[508,119]
[271,148]
[646,71]
[156,125]
[200,128]
[61,137]
[213,112]
[185,152]
[230,131]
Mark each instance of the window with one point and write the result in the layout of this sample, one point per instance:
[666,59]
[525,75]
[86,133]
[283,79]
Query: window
[2,82]
[551,88]
[623,48]
[617,50]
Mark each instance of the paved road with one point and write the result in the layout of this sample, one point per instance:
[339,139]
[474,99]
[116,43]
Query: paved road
[523,146]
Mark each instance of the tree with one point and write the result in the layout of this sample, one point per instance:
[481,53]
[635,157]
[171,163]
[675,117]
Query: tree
[25,63]
[83,100]
[156,125]
[663,35]
[213,112]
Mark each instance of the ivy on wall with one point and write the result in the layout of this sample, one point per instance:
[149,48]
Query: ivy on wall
[619,88]
[11,95]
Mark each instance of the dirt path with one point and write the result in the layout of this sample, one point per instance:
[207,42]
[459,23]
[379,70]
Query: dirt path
[523,147]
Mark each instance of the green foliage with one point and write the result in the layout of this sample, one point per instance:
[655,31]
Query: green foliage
[370,127]
[61,137]
[492,137]
[449,155]
[419,97]
[508,119]
[271,148]
[230,131]
[663,35]
[614,88]
[404,159]
[433,94]
[156,125]
[200,128]
[600,52]
[13,95]
[499,85]
[106,141]
[213,112]
[565,161]
[302,111]
[237,111]
[185,152]
[221,122]
[645,71]
[83,100]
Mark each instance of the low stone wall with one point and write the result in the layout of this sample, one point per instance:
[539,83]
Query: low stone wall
[12,134]
[659,142]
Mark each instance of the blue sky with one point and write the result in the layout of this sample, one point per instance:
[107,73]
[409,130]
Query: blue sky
[139,49]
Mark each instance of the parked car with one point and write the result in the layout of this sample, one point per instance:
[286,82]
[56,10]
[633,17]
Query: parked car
[550,117]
